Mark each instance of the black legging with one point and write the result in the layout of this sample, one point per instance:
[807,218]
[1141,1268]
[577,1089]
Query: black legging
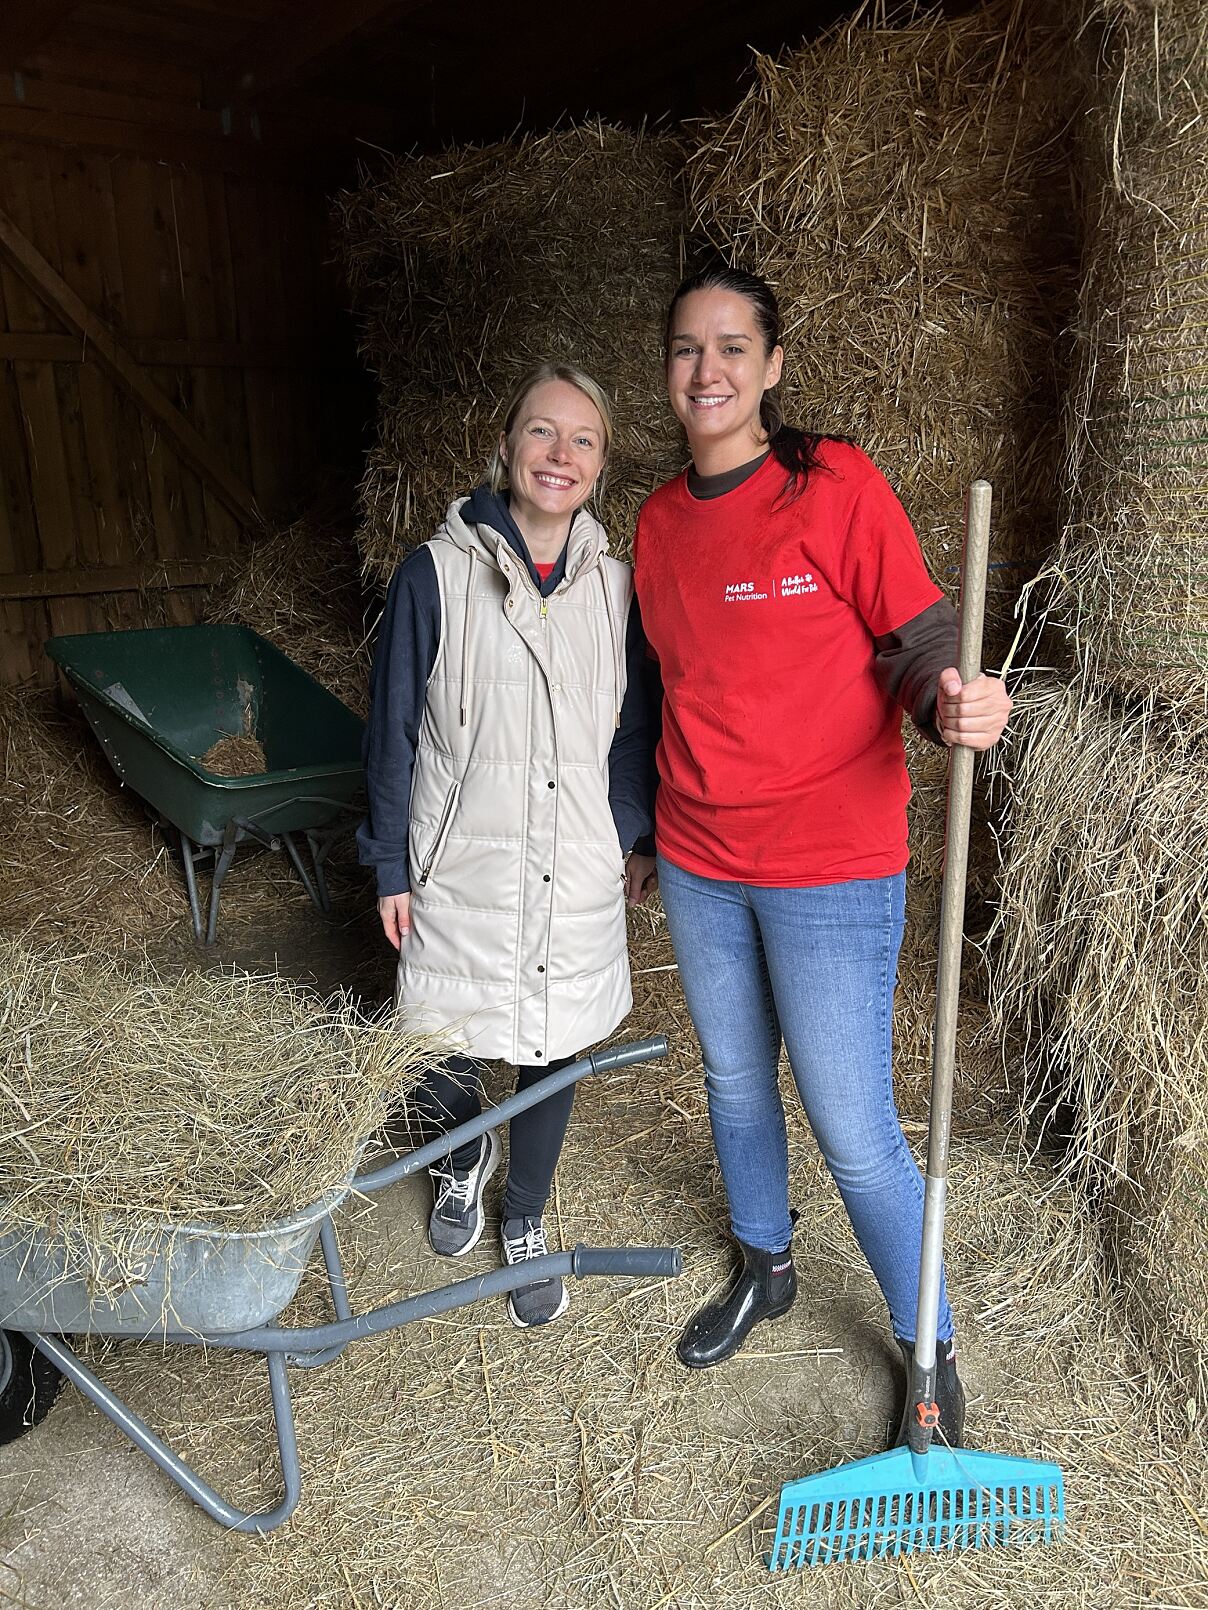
[450,1094]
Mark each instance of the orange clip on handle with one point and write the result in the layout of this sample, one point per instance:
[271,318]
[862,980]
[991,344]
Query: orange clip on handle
[928,1415]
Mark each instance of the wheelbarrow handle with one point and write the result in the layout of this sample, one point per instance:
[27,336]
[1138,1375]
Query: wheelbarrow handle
[656,1261]
[614,1056]
[624,1056]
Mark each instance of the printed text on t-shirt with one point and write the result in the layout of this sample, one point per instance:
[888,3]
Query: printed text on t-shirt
[793,586]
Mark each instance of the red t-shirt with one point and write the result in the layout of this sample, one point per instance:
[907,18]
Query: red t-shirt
[781,761]
[544,571]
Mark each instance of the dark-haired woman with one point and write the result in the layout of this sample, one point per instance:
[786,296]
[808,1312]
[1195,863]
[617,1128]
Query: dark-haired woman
[784,594]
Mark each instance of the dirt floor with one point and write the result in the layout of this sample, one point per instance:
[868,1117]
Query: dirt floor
[463,1463]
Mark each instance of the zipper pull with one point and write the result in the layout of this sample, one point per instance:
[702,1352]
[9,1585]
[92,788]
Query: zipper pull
[544,611]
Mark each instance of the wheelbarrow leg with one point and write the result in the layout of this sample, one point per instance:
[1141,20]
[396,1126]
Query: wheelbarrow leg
[320,844]
[339,1299]
[125,1419]
[188,852]
[221,866]
[291,849]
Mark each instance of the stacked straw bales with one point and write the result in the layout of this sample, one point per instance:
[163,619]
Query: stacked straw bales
[1103,933]
[468,268]
[1131,576]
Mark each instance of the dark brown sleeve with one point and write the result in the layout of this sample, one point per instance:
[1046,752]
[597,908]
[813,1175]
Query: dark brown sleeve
[909,662]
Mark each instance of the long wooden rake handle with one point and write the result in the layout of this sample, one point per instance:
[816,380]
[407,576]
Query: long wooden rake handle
[952,923]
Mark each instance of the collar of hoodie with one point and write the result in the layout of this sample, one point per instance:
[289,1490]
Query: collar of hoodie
[483,527]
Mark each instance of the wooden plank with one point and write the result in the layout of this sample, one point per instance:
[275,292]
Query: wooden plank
[88,437]
[219,533]
[156,350]
[24,185]
[328,162]
[47,464]
[24,627]
[80,488]
[46,454]
[290,121]
[287,48]
[19,546]
[259,313]
[64,58]
[42,348]
[91,581]
[25,28]
[113,354]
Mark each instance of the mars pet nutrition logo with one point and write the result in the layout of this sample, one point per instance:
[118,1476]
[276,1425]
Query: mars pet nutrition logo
[743,592]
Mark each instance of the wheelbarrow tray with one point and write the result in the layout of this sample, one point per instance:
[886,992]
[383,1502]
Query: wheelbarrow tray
[192,1278]
[157,699]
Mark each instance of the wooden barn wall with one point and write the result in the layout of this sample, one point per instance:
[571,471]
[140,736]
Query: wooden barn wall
[218,284]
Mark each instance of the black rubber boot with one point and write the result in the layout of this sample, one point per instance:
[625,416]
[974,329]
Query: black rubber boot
[762,1288]
[949,1395]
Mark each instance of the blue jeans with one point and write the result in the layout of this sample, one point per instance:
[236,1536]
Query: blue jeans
[817,966]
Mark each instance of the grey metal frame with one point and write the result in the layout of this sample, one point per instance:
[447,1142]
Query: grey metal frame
[312,1346]
[240,829]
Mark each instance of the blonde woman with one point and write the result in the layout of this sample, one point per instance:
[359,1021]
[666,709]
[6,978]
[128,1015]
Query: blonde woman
[508,765]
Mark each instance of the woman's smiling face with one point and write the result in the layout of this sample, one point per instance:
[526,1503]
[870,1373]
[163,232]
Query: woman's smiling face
[554,451]
[718,371]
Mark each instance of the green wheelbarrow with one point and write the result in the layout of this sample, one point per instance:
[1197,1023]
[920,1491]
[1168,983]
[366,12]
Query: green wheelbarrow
[158,699]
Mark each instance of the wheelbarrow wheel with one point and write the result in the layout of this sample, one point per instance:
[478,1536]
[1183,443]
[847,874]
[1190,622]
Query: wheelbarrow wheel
[30,1385]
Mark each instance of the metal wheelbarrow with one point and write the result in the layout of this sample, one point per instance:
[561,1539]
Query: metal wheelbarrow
[211,1288]
[158,699]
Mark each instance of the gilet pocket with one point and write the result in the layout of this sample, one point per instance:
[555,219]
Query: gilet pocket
[442,833]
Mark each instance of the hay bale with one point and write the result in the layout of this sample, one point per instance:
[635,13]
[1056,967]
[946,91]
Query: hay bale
[902,187]
[300,587]
[132,1102]
[1156,1239]
[1102,935]
[469,267]
[1101,948]
[79,856]
[1130,581]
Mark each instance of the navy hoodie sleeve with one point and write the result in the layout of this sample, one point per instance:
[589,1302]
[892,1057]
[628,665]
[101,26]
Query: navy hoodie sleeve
[631,757]
[407,646]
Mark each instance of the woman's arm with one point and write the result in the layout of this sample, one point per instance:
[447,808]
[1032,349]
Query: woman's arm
[408,641]
[910,660]
[916,665]
[631,773]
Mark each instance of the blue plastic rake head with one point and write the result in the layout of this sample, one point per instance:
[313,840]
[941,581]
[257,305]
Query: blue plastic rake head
[902,1503]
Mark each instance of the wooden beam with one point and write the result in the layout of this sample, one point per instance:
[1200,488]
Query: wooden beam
[286,49]
[162,576]
[290,121]
[24,27]
[124,368]
[323,163]
[40,346]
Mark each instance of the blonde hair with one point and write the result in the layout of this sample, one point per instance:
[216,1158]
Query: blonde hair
[497,470]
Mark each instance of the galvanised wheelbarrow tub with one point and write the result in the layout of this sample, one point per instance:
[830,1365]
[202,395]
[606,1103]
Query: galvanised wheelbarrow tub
[158,699]
[222,1290]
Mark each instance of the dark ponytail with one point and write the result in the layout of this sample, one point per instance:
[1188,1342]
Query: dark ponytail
[796,450]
